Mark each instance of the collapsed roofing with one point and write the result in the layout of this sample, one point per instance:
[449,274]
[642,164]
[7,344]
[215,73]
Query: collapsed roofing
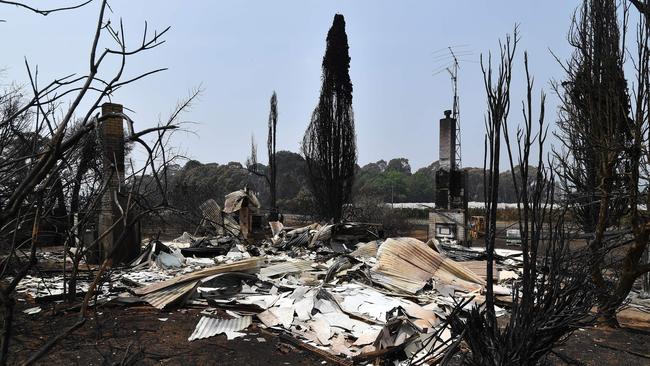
[338,288]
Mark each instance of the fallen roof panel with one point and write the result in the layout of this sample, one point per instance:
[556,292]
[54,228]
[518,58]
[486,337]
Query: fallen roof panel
[170,295]
[243,265]
[208,327]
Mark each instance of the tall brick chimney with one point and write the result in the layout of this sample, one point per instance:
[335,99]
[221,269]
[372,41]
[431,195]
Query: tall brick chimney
[447,154]
[112,135]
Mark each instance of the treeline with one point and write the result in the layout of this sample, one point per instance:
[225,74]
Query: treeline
[391,181]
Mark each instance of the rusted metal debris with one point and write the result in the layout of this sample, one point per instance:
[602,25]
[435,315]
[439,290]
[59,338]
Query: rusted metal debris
[407,264]
[238,199]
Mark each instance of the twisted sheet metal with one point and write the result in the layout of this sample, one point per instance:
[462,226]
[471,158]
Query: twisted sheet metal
[406,264]
[234,201]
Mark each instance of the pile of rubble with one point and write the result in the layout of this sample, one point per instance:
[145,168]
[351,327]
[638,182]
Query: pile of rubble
[354,302]
[338,290]
[311,285]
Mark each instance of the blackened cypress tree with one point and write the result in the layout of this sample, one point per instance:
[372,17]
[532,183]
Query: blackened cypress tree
[329,144]
[270,145]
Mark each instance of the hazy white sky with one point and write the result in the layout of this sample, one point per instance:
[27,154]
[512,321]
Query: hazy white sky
[240,51]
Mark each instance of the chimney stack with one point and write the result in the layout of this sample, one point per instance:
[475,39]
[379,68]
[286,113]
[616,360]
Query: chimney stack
[447,154]
[126,238]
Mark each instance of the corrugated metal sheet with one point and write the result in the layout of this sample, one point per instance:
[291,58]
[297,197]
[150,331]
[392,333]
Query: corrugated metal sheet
[170,295]
[324,233]
[234,201]
[286,267]
[365,250]
[209,327]
[397,283]
[406,264]
[240,266]
[298,240]
[480,268]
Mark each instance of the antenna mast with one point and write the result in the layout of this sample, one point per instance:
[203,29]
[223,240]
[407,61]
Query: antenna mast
[451,57]
[453,72]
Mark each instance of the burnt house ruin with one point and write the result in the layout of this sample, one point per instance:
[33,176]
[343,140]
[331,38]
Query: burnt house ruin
[449,219]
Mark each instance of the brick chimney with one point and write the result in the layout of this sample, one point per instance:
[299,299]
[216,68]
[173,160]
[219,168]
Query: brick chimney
[447,154]
[112,135]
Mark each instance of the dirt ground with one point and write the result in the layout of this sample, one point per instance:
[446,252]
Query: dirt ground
[137,335]
[627,345]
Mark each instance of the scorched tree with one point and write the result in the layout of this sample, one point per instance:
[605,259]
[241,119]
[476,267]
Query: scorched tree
[329,144]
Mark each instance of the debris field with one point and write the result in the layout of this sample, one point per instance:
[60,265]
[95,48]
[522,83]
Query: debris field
[333,289]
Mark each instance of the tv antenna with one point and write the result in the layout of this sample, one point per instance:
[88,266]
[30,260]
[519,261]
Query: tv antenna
[449,60]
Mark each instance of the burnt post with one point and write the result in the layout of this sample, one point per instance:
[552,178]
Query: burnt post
[123,240]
